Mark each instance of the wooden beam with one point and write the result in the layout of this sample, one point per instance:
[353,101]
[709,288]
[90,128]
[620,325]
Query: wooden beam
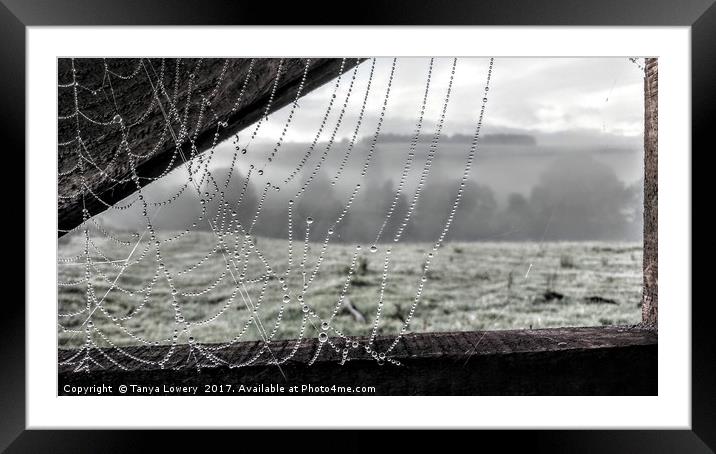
[562,361]
[650,299]
[134,99]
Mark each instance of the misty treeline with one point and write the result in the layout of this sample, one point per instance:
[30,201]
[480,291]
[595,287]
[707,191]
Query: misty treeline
[487,139]
[577,198]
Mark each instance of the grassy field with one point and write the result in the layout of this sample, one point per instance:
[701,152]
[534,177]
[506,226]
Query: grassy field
[470,286]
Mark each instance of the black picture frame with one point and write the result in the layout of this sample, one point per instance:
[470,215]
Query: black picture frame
[16,15]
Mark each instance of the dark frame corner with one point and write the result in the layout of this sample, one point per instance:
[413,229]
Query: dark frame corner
[16,15]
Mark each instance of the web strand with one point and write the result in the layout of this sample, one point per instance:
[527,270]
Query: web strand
[221,256]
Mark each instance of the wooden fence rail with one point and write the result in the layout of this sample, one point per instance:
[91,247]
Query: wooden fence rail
[562,361]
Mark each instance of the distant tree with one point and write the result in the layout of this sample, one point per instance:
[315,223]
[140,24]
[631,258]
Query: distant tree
[399,211]
[517,220]
[320,203]
[370,210]
[509,139]
[475,217]
[579,198]
[244,205]
[430,211]
[273,221]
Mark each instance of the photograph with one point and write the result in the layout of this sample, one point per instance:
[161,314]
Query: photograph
[357,226]
[472,218]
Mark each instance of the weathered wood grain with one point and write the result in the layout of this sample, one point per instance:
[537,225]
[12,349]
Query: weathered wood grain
[650,301]
[561,361]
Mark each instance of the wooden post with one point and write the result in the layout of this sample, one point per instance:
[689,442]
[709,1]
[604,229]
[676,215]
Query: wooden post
[650,300]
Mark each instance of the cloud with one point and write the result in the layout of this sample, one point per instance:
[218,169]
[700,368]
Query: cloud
[543,95]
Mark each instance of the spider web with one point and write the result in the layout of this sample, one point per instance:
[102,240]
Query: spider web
[256,285]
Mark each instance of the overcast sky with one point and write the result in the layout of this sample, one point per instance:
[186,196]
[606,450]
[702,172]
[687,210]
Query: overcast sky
[598,98]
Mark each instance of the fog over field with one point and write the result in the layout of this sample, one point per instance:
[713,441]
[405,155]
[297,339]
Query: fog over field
[516,193]
[561,160]
[548,231]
